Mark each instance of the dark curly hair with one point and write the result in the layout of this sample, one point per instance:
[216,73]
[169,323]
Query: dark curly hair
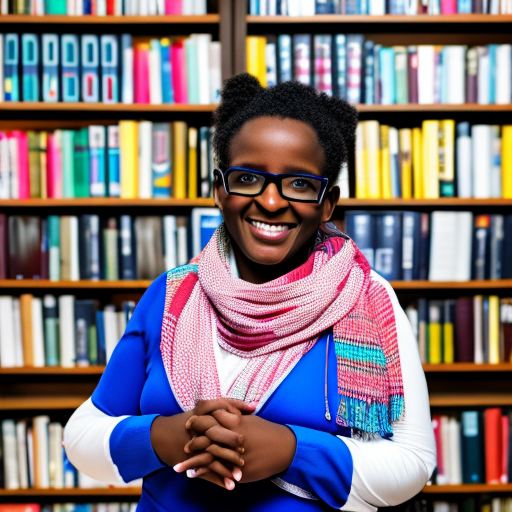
[333,120]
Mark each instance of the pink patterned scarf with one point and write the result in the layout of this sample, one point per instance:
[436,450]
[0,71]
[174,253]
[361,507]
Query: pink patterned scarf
[274,324]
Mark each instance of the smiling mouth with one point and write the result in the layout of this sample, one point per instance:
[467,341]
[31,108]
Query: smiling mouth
[271,229]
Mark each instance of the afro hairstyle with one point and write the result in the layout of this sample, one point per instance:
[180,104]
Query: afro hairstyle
[243,98]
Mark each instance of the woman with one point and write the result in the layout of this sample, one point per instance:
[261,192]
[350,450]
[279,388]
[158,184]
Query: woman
[276,364]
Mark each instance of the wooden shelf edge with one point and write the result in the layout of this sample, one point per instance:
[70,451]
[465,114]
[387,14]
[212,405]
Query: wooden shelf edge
[466,367]
[48,403]
[466,488]
[442,201]
[472,400]
[110,491]
[387,18]
[39,106]
[114,20]
[44,283]
[106,201]
[53,370]
[452,285]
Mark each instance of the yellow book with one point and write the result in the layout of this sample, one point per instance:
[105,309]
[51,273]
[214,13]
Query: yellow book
[405,159]
[448,331]
[417,163]
[371,137]
[506,161]
[431,159]
[360,163]
[435,339]
[129,158]
[43,142]
[494,329]
[179,159]
[447,158]
[256,61]
[385,167]
[192,163]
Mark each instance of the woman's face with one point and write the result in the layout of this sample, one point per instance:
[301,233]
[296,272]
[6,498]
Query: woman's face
[277,146]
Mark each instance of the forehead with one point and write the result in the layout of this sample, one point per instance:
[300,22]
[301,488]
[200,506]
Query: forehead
[278,138]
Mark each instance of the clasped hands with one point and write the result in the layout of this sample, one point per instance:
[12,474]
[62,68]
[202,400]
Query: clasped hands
[225,443]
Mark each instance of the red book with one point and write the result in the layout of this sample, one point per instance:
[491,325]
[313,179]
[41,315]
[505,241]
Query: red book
[141,72]
[448,6]
[23,164]
[111,7]
[179,72]
[173,6]
[505,427]
[54,167]
[412,73]
[506,329]
[20,507]
[493,448]
[94,7]
[436,425]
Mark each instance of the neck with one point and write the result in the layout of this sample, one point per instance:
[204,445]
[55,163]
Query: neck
[257,273]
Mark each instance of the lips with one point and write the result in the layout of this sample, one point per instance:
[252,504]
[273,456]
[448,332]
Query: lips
[270,231]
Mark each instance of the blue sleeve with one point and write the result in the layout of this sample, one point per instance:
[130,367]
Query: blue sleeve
[322,466]
[119,390]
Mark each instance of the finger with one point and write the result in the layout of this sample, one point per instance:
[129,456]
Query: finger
[226,454]
[226,483]
[200,424]
[197,461]
[195,473]
[217,467]
[226,419]
[244,408]
[208,406]
[221,435]
[197,444]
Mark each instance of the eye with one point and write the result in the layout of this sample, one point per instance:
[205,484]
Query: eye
[247,178]
[301,183]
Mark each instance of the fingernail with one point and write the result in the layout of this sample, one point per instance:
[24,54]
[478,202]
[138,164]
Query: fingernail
[237,475]
[229,484]
[178,468]
[191,473]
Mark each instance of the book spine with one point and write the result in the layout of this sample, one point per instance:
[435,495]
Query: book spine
[114,185]
[354,67]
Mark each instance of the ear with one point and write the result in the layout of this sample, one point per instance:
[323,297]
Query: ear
[330,201]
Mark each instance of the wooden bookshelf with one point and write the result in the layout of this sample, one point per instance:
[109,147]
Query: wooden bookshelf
[53,370]
[440,399]
[452,285]
[42,493]
[114,202]
[387,18]
[206,19]
[467,489]
[42,402]
[466,368]
[39,106]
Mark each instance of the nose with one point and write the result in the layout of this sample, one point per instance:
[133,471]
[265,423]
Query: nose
[271,200]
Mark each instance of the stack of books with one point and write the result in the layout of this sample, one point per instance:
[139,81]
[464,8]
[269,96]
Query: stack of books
[105,7]
[129,160]
[441,246]
[440,159]
[89,247]
[376,8]
[469,329]
[109,69]
[475,448]
[355,69]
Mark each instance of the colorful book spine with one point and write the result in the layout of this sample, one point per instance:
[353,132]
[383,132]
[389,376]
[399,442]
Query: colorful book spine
[11,67]
[30,63]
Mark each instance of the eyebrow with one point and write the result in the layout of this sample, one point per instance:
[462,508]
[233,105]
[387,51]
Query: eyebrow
[288,169]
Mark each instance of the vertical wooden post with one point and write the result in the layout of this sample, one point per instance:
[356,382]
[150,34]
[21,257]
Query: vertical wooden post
[239,35]
[226,37]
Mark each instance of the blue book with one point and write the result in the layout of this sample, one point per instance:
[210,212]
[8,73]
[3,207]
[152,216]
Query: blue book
[109,69]
[161,164]
[87,6]
[411,242]
[82,332]
[204,222]
[369,85]
[481,247]
[464,7]
[388,245]
[506,261]
[254,7]
[284,61]
[70,472]
[114,177]
[50,43]
[397,7]
[165,55]
[70,57]
[89,247]
[97,161]
[127,68]
[30,66]
[100,333]
[496,245]
[472,448]
[387,74]
[492,72]
[340,66]
[11,67]
[90,69]
[325,7]
[424,246]
[359,225]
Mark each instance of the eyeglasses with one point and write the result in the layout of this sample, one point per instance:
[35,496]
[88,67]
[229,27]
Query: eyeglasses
[303,188]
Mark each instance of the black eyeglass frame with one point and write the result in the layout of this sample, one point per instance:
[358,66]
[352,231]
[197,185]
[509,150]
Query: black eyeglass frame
[277,179]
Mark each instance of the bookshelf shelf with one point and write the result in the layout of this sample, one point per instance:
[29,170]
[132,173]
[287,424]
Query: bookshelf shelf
[109,20]
[53,370]
[114,202]
[99,285]
[466,368]
[101,107]
[466,488]
[440,399]
[388,18]
[41,402]
[433,108]
[452,202]
[111,491]
[452,285]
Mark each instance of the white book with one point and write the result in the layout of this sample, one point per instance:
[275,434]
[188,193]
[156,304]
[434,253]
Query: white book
[14,167]
[18,343]
[503,6]
[343,181]
[170,253]
[56,466]
[7,339]
[308,7]
[143,8]
[494,7]
[482,159]
[272,7]
[455,452]
[203,42]
[118,7]
[215,78]
[41,455]
[4,8]
[411,7]
[69,251]
[450,249]
[181,240]
[79,7]
[160,7]
[264,6]
[199,7]
[464,167]
[71,7]
[1,61]
[5,167]
[441,506]
[152,7]
[127,10]
[271,59]
[40,7]
[111,330]
[97,141]
[145,160]
[67,331]
[21,440]
[38,332]
[128,75]
[503,74]
[478,327]
[426,73]
[121,323]
[445,447]
[496,162]
[377,7]
[456,66]
[10,453]
[155,73]
[188,7]
[101,7]
[483,81]
[294,7]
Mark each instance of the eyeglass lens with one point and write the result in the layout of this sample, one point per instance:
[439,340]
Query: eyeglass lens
[293,187]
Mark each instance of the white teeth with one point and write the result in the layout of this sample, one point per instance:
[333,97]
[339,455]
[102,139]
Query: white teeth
[270,228]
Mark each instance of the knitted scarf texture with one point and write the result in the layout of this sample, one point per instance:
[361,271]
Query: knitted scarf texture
[272,325]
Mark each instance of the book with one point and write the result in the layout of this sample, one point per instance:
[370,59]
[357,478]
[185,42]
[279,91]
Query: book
[90,65]
[7,338]
[179,159]
[127,248]
[464,169]
[145,157]
[23,244]
[471,448]
[464,330]
[11,61]
[51,330]
[30,64]
[89,246]
[204,222]
[97,161]
[70,68]
[359,225]
[435,334]
[411,245]
[81,175]
[109,69]
[388,245]
[302,50]
[493,437]
[354,48]
[161,164]
[322,63]
[128,143]
[114,184]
